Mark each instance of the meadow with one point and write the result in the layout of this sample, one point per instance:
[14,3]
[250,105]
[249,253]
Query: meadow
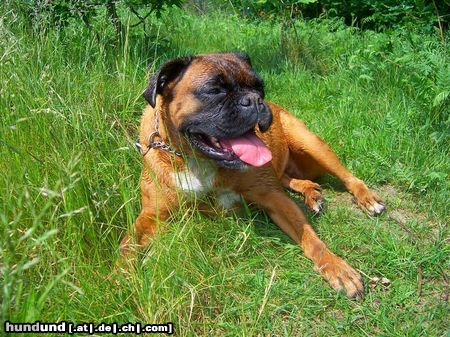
[69,179]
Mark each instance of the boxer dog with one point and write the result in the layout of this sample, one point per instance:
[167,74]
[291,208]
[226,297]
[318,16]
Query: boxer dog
[207,131]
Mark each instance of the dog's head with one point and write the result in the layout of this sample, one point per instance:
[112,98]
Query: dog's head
[214,102]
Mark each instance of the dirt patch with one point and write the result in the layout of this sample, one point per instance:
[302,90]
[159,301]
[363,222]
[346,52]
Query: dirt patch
[402,207]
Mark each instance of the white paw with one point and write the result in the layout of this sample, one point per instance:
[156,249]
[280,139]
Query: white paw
[376,208]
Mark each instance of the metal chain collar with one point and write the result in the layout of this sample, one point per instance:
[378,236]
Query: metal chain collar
[152,143]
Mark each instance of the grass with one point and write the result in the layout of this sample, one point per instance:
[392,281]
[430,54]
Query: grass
[69,110]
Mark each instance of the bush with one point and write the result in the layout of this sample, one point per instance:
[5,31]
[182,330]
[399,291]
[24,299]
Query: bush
[372,14]
[57,13]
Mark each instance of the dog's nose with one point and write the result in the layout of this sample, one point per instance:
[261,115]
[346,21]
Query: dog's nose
[251,100]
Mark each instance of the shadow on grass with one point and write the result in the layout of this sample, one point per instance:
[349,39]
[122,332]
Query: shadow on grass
[265,227]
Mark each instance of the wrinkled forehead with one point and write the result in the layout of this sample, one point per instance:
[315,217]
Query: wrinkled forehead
[222,69]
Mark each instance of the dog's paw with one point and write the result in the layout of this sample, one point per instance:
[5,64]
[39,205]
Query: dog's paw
[125,264]
[366,199]
[313,197]
[127,255]
[371,203]
[341,276]
[376,208]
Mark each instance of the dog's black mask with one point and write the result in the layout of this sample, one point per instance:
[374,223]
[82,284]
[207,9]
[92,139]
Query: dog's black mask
[232,105]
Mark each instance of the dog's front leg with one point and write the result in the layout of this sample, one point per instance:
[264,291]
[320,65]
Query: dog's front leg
[157,202]
[288,216]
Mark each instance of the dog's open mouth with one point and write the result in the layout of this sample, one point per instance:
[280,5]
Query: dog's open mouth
[247,148]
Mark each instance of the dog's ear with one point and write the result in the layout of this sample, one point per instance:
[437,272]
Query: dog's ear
[166,73]
[243,57]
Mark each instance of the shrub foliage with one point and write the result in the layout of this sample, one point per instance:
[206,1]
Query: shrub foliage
[374,14]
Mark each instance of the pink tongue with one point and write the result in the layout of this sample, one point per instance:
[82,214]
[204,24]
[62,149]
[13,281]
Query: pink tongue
[249,148]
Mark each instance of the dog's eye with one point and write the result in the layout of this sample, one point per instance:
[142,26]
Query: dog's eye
[215,91]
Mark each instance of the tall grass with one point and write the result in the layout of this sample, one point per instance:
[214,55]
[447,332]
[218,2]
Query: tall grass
[69,110]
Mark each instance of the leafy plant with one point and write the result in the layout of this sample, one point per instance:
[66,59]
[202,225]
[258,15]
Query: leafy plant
[59,12]
[373,14]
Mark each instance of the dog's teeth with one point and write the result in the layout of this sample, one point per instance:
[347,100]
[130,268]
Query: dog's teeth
[215,142]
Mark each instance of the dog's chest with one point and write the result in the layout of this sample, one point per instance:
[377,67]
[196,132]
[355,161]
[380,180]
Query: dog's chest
[199,178]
